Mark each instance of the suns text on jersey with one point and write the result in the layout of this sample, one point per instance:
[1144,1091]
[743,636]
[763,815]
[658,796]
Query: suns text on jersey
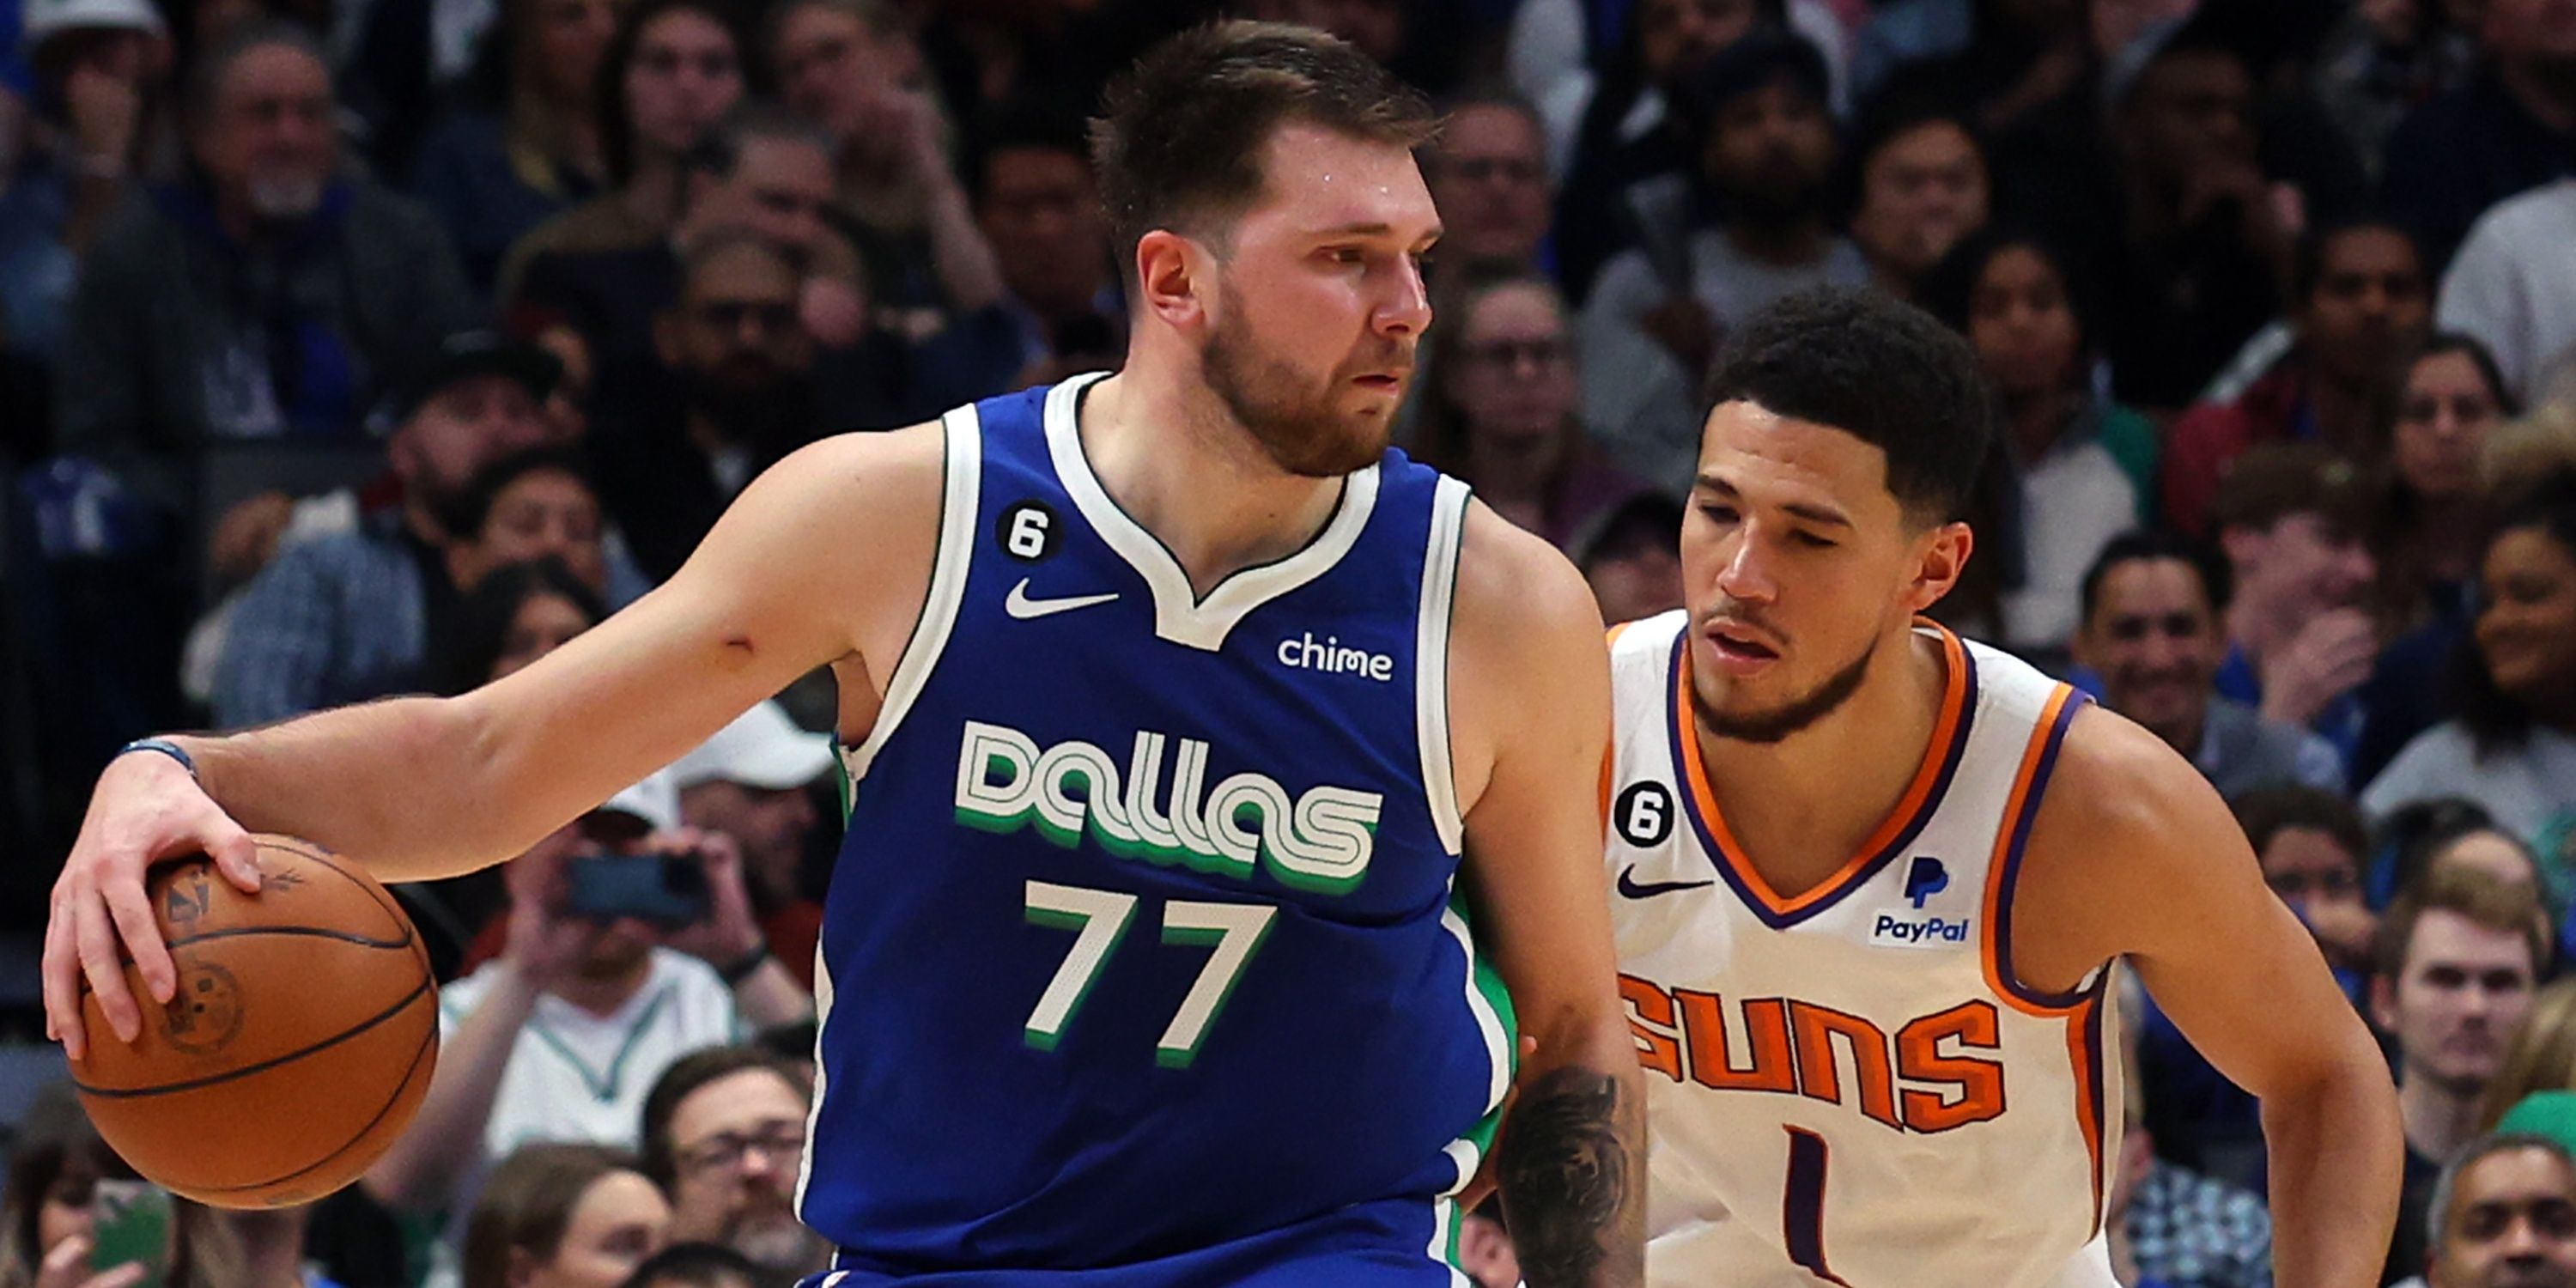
[1915,1079]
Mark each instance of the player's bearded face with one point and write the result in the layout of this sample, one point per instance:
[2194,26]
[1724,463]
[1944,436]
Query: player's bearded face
[1732,711]
[1296,415]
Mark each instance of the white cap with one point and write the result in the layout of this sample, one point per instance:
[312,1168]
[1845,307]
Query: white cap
[762,748]
[655,799]
[46,18]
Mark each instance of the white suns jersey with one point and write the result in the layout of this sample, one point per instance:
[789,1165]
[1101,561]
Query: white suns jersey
[1845,1087]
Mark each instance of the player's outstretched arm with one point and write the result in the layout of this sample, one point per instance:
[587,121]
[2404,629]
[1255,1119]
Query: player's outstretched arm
[2135,854]
[1530,702]
[822,559]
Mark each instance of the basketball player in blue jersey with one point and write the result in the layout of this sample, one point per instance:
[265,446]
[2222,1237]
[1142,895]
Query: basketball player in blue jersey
[1874,884]
[1171,702]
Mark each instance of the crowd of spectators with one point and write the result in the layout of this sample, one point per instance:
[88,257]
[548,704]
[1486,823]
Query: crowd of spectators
[358,347]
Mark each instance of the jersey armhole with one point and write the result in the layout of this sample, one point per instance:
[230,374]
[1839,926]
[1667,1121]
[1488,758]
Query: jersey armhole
[962,457]
[1431,660]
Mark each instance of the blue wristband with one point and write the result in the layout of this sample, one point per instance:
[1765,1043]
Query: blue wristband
[166,748]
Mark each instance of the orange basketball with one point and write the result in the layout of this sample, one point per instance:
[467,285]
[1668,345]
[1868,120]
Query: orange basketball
[299,1044]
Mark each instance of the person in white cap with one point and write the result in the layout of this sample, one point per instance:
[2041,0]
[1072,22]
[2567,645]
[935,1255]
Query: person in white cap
[101,65]
[562,1034]
[752,781]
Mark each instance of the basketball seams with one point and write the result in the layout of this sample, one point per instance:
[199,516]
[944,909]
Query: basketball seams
[375,891]
[426,1052]
[426,988]
[307,932]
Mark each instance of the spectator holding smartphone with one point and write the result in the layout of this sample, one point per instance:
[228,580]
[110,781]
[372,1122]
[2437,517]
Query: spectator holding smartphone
[49,1231]
[599,985]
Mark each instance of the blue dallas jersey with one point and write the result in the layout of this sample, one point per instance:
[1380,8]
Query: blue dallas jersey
[1144,956]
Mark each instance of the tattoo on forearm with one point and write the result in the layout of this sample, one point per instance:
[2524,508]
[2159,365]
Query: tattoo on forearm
[1566,1178]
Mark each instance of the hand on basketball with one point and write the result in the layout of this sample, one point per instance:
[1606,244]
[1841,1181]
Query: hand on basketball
[146,808]
[67,1266]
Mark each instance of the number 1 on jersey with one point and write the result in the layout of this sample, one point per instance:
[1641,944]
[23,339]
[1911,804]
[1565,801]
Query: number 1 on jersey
[1802,1205]
[1099,919]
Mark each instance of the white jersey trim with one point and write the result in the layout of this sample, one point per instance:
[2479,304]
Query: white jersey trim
[963,454]
[1431,660]
[1180,616]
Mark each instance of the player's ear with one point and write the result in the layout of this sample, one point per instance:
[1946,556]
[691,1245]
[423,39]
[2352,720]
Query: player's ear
[1945,550]
[1173,274]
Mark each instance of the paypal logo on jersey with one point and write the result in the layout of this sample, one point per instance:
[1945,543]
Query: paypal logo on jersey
[1924,878]
[1319,841]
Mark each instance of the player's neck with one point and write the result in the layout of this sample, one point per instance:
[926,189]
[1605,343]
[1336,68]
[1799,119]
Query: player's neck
[2436,1117]
[1801,806]
[1171,455]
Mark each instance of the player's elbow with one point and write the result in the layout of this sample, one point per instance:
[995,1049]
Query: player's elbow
[2340,1076]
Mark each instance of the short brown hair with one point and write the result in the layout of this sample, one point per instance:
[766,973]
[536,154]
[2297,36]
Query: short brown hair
[681,1081]
[2478,896]
[2274,481]
[1181,135]
[527,1203]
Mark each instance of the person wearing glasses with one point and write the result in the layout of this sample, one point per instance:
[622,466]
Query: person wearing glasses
[724,1136]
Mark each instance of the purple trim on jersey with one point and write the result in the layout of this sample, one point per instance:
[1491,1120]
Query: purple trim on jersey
[2020,841]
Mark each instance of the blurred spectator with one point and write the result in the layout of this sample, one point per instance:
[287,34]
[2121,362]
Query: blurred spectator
[1488,176]
[2543,1113]
[2541,1057]
[2312,845]
[2299,637]
[2513,285]
[2505,1209]
[516,613]
[2199,234]
[2512,747]
[2510,129]
[2170,1225]
[671,71]
[1623,145]
[480,401]
[349,617]
[265,298]
[1039,209]
[754,781]
[1485,1249]
[1631,557]
[724,1132]
[563,1216]
[2359,302]
[741,364]
[1923,186]
[2436,413]
[2074,469]
[563,1034]
[2458,956]
[1418,40]
[760,170]
[1499,384]
[2004,59]
[524,142]
[55,1162]
[2381,60]
[697,1265]
[1658,313]
[852,67]
[103,68]
[2153,605]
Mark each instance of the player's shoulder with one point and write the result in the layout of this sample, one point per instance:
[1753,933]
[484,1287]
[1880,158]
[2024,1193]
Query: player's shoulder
[2123,794]
[1512,582]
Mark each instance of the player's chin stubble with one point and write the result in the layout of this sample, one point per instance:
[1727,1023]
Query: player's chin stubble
[1789,717]
[1298,428]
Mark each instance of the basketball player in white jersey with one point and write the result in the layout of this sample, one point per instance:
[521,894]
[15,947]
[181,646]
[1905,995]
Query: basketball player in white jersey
[1871,882]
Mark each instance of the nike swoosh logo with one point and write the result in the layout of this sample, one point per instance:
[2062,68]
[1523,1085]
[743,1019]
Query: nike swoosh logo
[1629,886]
[1019,605]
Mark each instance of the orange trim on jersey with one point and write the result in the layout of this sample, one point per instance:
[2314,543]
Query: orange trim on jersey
[1918,800]
[2016,818]
[1610,638]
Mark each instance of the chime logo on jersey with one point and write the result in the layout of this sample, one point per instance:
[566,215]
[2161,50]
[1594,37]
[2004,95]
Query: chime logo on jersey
[1319,841]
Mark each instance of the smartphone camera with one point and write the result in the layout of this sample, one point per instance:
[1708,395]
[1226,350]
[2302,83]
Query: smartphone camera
[668,890]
